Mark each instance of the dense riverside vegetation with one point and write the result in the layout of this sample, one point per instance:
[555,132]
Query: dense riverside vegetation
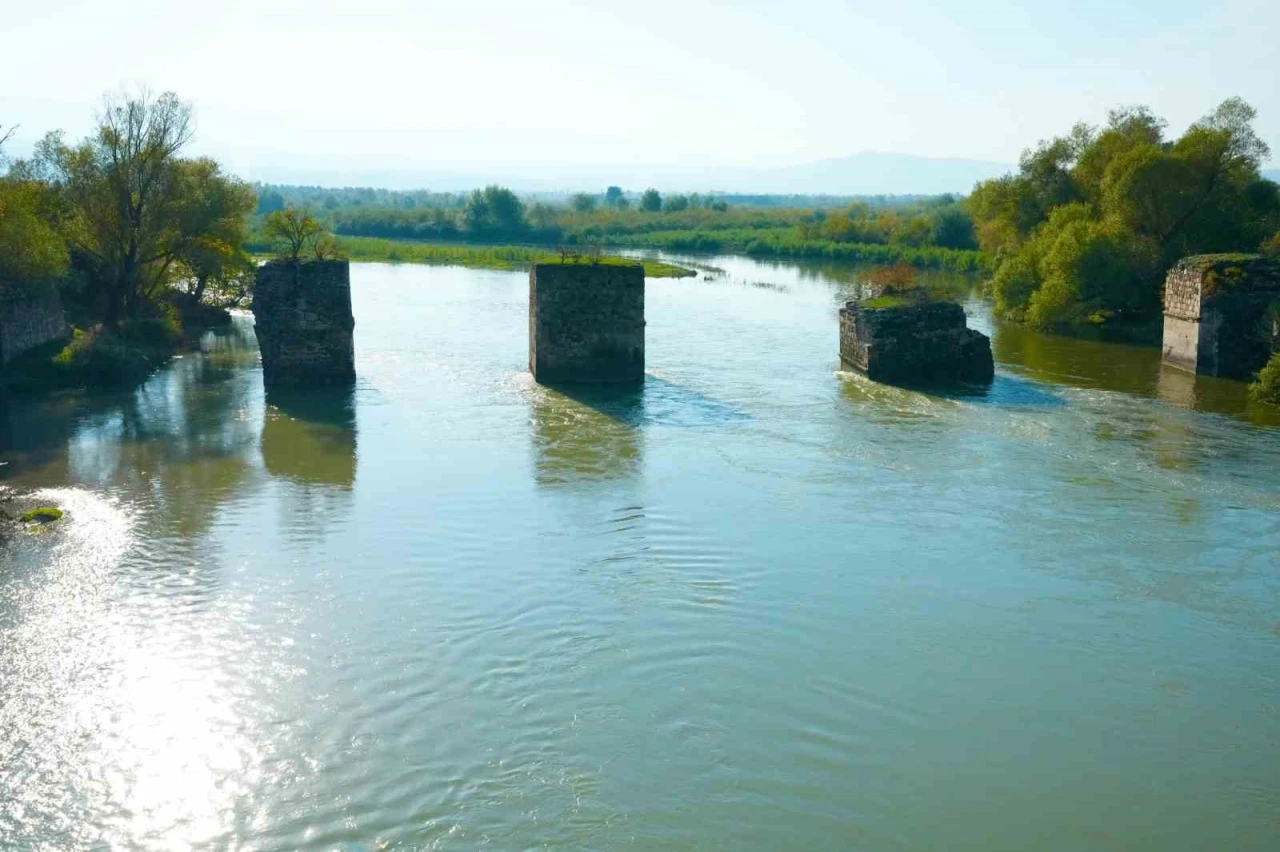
[138,240]
[1086,230]
[928,232]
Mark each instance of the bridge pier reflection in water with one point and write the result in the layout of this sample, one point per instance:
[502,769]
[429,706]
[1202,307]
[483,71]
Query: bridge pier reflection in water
[309,436]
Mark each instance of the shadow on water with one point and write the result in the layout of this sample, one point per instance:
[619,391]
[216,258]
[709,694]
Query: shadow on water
[908,402]
[309,435]
[595,431]
[1005,391]
[655,402]
[586,432]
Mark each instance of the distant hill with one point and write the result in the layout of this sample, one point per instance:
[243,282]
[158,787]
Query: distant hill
[874,173]
[868,173]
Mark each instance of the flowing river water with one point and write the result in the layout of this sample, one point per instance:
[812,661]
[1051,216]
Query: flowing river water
[759,604]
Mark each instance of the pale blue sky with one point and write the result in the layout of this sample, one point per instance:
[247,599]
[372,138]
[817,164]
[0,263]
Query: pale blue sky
[505,87]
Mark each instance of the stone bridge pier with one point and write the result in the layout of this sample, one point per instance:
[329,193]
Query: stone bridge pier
[914,342]
[302,315]
[586,322]
[1220,314]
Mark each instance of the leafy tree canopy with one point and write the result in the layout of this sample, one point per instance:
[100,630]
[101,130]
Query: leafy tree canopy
[1086,229]
[135,216]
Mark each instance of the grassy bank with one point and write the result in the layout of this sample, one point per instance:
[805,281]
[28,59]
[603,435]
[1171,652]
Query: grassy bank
[790,243]
[780,243]
[109,357]
[477,256]
[93,357]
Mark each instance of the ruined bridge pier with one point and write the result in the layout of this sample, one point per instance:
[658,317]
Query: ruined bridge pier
[302,315]
[586,322]
[1220,314]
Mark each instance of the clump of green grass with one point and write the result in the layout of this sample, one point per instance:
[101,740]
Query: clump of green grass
[883,302]
[42,515]
[375,249]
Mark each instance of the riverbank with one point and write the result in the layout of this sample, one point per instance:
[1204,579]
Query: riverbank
[931,233]
[477,256]
[761,243]
[101,357]
[790,244]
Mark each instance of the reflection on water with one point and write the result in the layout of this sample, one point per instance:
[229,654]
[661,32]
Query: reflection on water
[309,436]
[586,432]
[754,604]
[1078,362]
[1124,368]
[597,431]
[179,442]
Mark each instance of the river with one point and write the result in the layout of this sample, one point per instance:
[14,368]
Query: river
[760,604]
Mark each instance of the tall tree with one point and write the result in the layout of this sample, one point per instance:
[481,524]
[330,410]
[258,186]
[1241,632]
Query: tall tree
[293,231]
[213,223]
[29,248]
[123,188]
[493,211]
[583,202]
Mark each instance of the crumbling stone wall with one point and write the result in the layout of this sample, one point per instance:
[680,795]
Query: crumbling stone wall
[28,320]
[302,315]
[1219,314]
[586,322]
[918,343]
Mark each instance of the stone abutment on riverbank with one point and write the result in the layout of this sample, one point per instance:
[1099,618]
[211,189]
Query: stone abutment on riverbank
[28,320]
[1222,314]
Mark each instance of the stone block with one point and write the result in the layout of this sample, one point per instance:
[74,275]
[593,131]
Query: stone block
[914,343]
[586,322]
[28,319]
[302,316]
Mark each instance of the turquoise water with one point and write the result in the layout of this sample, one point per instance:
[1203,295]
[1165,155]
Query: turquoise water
[759,604]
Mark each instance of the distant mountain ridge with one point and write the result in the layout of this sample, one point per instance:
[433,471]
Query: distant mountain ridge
[866,173]
[875,173]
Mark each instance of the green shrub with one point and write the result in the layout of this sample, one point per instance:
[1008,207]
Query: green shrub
[97,357]
[1266,388]
[1012,285]
[1271,247]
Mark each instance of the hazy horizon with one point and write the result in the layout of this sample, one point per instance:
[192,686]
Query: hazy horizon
[559,97]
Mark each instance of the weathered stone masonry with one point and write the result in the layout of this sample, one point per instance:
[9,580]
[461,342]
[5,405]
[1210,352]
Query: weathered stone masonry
[914,344]
[1218,317]
[29,321]
[586,322]
[302,315]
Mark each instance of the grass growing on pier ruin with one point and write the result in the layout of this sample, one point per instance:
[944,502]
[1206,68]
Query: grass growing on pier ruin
[479,256]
